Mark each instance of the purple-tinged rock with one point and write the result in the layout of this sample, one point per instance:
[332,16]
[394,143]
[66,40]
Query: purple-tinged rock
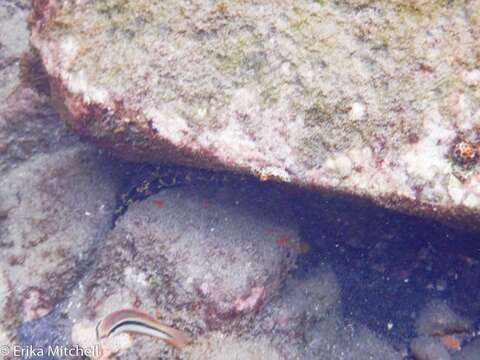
[375,99]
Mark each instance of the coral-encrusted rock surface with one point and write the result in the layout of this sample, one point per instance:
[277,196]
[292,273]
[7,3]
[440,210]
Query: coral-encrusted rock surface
[50,218]
[146,262]
[13,15]
[365,97]
[206,257]
[29,125]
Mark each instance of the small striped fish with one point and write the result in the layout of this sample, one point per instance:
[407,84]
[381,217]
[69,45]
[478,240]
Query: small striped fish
[139,322]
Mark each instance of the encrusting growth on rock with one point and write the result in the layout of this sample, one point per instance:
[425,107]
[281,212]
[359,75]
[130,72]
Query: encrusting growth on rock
[466,152]
[338,96]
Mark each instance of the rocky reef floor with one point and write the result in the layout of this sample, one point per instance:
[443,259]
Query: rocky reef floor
[247,269]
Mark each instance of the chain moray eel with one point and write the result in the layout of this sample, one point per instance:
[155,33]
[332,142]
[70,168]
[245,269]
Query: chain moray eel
[139,322]
[149,180]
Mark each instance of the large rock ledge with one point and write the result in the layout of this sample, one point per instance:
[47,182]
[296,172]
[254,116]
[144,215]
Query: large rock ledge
[375,99]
